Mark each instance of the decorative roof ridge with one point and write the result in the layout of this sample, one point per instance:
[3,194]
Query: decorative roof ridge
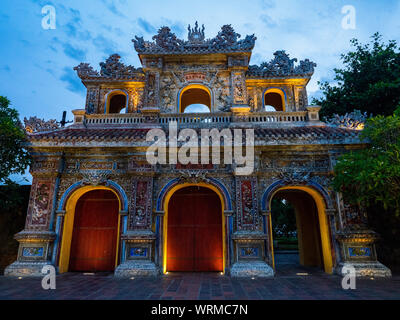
[166,42]
[111,69]
[282,66]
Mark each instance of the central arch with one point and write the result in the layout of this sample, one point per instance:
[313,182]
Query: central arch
[194,94]
[207,214]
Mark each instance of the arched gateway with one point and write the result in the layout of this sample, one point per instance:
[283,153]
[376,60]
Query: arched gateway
[98,204]
[194,234]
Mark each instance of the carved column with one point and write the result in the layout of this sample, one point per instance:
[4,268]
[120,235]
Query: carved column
[249,237]
[152,68]
[237,67]
[36,240]
[138,254]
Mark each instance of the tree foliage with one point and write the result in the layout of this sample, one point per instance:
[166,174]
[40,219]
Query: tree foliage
[369,81]
[372,175]
[14,158]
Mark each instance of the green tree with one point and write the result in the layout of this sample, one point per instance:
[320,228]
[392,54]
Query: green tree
[14,158]
[371,176]
[369,81]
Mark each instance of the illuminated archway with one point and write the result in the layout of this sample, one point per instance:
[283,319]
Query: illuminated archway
[167,198]
[274,98]
[194,94]
[324,229]
[116,101]
[67,230]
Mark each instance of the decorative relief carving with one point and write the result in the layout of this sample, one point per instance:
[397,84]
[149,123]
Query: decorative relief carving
[166,42]
[34,124]
[352,120]
[40,204]
[92,100]
[152,89]
[112,68]
[282,66]
[247,204]
[192,176]
[239,88]
[95,177]
[140,206]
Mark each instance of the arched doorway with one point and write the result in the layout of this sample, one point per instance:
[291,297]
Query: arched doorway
[307,243]
[95,232]
[90,230]
[195,99]
[194,231]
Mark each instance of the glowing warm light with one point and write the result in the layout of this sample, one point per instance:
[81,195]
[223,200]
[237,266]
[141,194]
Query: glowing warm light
[360,126]
[132,278]
[19,278]
[88,274]
[302,274]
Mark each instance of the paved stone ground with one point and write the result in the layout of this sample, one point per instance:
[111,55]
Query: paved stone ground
[205,286]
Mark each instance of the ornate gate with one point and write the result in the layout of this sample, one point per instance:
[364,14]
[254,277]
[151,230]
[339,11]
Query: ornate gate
[194,231]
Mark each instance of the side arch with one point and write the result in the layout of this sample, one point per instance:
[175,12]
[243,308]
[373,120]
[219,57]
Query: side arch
[115,187]
[322,201]
[67,206]
[277,90]
[273,188]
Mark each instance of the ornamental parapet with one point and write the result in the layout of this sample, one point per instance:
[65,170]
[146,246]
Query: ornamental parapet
[193,119]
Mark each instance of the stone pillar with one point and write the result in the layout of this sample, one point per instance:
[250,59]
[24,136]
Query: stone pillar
[249,237]
[358,251]
[137,257]
[152,69]
[357,244]
[36,240]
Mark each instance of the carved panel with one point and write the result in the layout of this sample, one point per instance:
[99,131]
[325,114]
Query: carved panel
[247,204]
[140,206]
[40,204]
[239,88]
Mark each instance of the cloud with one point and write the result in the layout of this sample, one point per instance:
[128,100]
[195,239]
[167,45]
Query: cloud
[112,7]
[74,84]
[105,44]
[74,53]
[268,21]
[5,68]
[146,26]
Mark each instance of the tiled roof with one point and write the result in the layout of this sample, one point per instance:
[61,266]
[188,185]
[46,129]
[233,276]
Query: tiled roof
[307,133]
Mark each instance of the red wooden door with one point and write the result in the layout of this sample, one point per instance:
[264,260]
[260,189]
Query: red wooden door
[194,231]
[94,238]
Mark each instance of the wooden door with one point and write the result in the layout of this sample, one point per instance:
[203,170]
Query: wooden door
[94,238]
[194,231]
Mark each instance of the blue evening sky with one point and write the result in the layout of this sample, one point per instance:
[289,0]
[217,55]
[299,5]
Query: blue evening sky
[36,64]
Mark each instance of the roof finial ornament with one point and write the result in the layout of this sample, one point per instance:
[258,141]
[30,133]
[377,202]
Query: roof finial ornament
[196,35]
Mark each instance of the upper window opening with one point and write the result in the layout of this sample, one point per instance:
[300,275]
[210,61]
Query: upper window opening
[116,103]
[195,98]
[274,101]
